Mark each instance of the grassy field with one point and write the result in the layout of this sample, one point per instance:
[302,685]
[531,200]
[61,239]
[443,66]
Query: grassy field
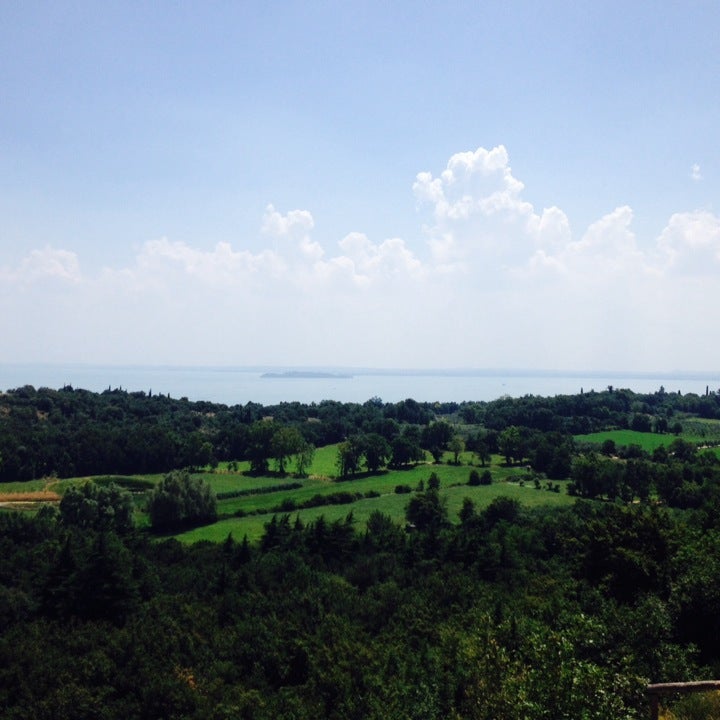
[623,438]
[259,508]
[259,497]
[699,432]
[391,504]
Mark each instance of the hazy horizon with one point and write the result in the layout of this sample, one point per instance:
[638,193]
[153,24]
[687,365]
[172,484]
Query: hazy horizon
[368,370]
[241,385]
[361,185]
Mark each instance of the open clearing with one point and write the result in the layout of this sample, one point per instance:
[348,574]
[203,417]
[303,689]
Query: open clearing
[698,432]
[391,504]
[255,499]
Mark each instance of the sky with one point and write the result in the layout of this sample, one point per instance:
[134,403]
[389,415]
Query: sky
[361,184]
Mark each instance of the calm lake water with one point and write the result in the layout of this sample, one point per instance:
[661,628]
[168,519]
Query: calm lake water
[241,385]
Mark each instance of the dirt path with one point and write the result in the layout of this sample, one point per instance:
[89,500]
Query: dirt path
[10,498]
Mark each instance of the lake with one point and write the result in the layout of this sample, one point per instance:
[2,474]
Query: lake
[239,385]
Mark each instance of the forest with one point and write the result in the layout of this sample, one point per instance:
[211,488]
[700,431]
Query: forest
[501,610]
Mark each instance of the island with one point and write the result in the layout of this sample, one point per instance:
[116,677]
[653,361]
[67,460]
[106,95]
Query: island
[305,374]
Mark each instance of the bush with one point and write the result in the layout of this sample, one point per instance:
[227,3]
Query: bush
[181,500]
[258,491]
[486,478]
[403,489]
[98,508]
[474,478]
[123,481]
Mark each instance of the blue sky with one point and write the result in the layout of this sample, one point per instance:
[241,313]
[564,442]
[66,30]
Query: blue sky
[501,184]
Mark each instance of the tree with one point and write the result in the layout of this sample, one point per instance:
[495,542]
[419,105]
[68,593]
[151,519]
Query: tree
[483,452]
[467,512]
[181,500]
[285,442]
[259,449]
[608,447]
[382,532]
[376,450]
[511,444]
[349,454]
[303,458]
[585,475]
[682,450]
[435,438]
[456,446]
[93,507]
[661,425]
[198,451]
[641,422]
[405,450]
[426,511]
[104,586]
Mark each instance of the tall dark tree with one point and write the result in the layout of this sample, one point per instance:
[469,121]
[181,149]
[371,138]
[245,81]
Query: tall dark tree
[376,451]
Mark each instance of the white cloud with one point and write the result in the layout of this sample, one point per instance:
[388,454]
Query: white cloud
[491,282]
[294,227]
[690,244]
[220,265]
[695,173]
[479,214]
[46,264]
[387,261]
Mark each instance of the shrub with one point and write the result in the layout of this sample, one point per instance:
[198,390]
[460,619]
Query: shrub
[98,508]
[403,489]
[181,500]
[474,478]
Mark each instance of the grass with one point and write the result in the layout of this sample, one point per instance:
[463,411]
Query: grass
[322,481]
[695,430]
[623,438]
[325,461]
[390,503]
[383,483]
[696,706]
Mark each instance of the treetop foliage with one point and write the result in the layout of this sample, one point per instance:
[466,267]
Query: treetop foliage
[181,500]
[72,432]
[508,614]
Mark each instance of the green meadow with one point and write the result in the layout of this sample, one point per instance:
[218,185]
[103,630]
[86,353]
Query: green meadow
[257,509]
[247,502]
[624,438]
[391,504]
[695,430]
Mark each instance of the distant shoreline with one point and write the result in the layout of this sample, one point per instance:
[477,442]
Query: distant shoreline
[268,385]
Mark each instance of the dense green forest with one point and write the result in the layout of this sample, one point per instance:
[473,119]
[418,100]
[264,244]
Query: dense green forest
[72,432]
[501,611]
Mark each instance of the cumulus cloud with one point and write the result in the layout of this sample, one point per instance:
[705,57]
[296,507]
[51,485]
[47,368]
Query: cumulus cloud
[479,214]
[489,280]
[222,264]
[46,264]
[695,173]
[294,228]
[690,244]
[367,262]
